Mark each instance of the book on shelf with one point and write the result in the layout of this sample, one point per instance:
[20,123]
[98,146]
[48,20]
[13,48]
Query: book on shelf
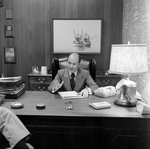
[70,95]
[100,105]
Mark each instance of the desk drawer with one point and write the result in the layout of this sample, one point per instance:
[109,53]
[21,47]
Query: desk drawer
[104,80]
[40,79]
[39,87]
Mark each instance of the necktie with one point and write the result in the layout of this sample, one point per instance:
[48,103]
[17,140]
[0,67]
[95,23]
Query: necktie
[72,81]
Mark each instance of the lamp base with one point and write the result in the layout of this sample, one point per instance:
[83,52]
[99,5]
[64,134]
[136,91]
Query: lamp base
[126,103]
[126,93]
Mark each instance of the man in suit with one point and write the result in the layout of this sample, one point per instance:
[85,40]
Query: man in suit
[13,129]
[73,78]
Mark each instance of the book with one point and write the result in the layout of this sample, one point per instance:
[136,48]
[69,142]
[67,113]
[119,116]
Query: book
[70,95]
[100,105]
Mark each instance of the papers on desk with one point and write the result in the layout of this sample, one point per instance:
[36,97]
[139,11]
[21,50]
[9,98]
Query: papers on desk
[69,95]
[100,105]
[12,89]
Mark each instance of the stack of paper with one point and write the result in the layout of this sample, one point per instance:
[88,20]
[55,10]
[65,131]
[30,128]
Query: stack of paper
[70,95]
[10,79]
[100,105]
[12,89]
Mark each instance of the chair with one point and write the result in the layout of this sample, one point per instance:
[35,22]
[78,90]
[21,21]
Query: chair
[85,63]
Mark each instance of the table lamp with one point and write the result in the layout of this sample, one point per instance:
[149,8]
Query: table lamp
[127,60]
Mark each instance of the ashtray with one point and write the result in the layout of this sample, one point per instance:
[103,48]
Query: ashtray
[16,105]
[40,106]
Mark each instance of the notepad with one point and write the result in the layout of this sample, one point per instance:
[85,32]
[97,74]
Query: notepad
[100,105]
[69,95]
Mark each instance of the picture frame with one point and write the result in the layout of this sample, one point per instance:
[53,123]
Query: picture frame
[9,14]
[76,35]
[9,31]
[9,55]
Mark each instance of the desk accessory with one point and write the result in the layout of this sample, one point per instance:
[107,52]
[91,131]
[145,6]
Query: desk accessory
[40,106]
[105,91]
[16,105]
[100,105]
[69,103]
[12,87]
[142,108]
[35,69]
[127,60]
[69,95]
[44,70]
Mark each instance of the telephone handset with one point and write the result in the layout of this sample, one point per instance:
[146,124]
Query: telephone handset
[105,91]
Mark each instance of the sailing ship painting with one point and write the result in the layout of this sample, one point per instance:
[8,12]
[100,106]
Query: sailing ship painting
[76,35]
[82,40]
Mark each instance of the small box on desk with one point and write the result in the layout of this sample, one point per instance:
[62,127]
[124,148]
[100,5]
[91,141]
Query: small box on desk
[12,88]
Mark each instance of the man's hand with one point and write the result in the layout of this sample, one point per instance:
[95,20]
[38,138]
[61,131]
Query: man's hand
[56,86]
[84,93]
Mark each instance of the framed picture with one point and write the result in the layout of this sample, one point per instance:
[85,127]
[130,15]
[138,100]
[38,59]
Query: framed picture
[9,15]
[77,35]
[9,31]
[9,55]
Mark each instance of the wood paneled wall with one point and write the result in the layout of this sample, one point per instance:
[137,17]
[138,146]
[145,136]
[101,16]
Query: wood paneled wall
[32,20]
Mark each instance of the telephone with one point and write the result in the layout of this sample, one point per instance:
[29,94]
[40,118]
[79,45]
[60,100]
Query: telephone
[111,90]
[105,91]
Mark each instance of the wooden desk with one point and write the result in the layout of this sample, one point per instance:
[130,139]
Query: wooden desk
[83,127]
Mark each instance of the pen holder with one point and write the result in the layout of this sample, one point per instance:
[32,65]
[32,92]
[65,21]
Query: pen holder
[69,104]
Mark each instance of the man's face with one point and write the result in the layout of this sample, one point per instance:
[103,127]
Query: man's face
[73,63]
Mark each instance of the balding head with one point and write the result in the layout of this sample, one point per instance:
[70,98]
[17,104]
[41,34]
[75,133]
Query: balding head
[73,62]
[74,56]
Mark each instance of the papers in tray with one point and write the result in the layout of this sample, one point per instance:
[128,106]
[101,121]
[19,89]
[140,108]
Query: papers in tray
[10,79]
[69,95]
[1,98]
[12,90]
[100,105]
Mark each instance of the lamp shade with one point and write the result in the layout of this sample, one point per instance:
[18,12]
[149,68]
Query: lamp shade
[128,59]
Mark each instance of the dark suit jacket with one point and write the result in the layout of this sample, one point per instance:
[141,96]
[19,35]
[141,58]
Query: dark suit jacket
[83,79]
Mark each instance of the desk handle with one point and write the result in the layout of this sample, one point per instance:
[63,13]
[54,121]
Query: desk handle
[106,81]
[41,80]
[41,88]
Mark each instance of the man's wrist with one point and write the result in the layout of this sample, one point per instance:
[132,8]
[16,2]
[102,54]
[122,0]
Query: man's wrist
[89,90]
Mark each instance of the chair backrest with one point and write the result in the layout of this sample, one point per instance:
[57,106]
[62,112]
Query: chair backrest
[85,63]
